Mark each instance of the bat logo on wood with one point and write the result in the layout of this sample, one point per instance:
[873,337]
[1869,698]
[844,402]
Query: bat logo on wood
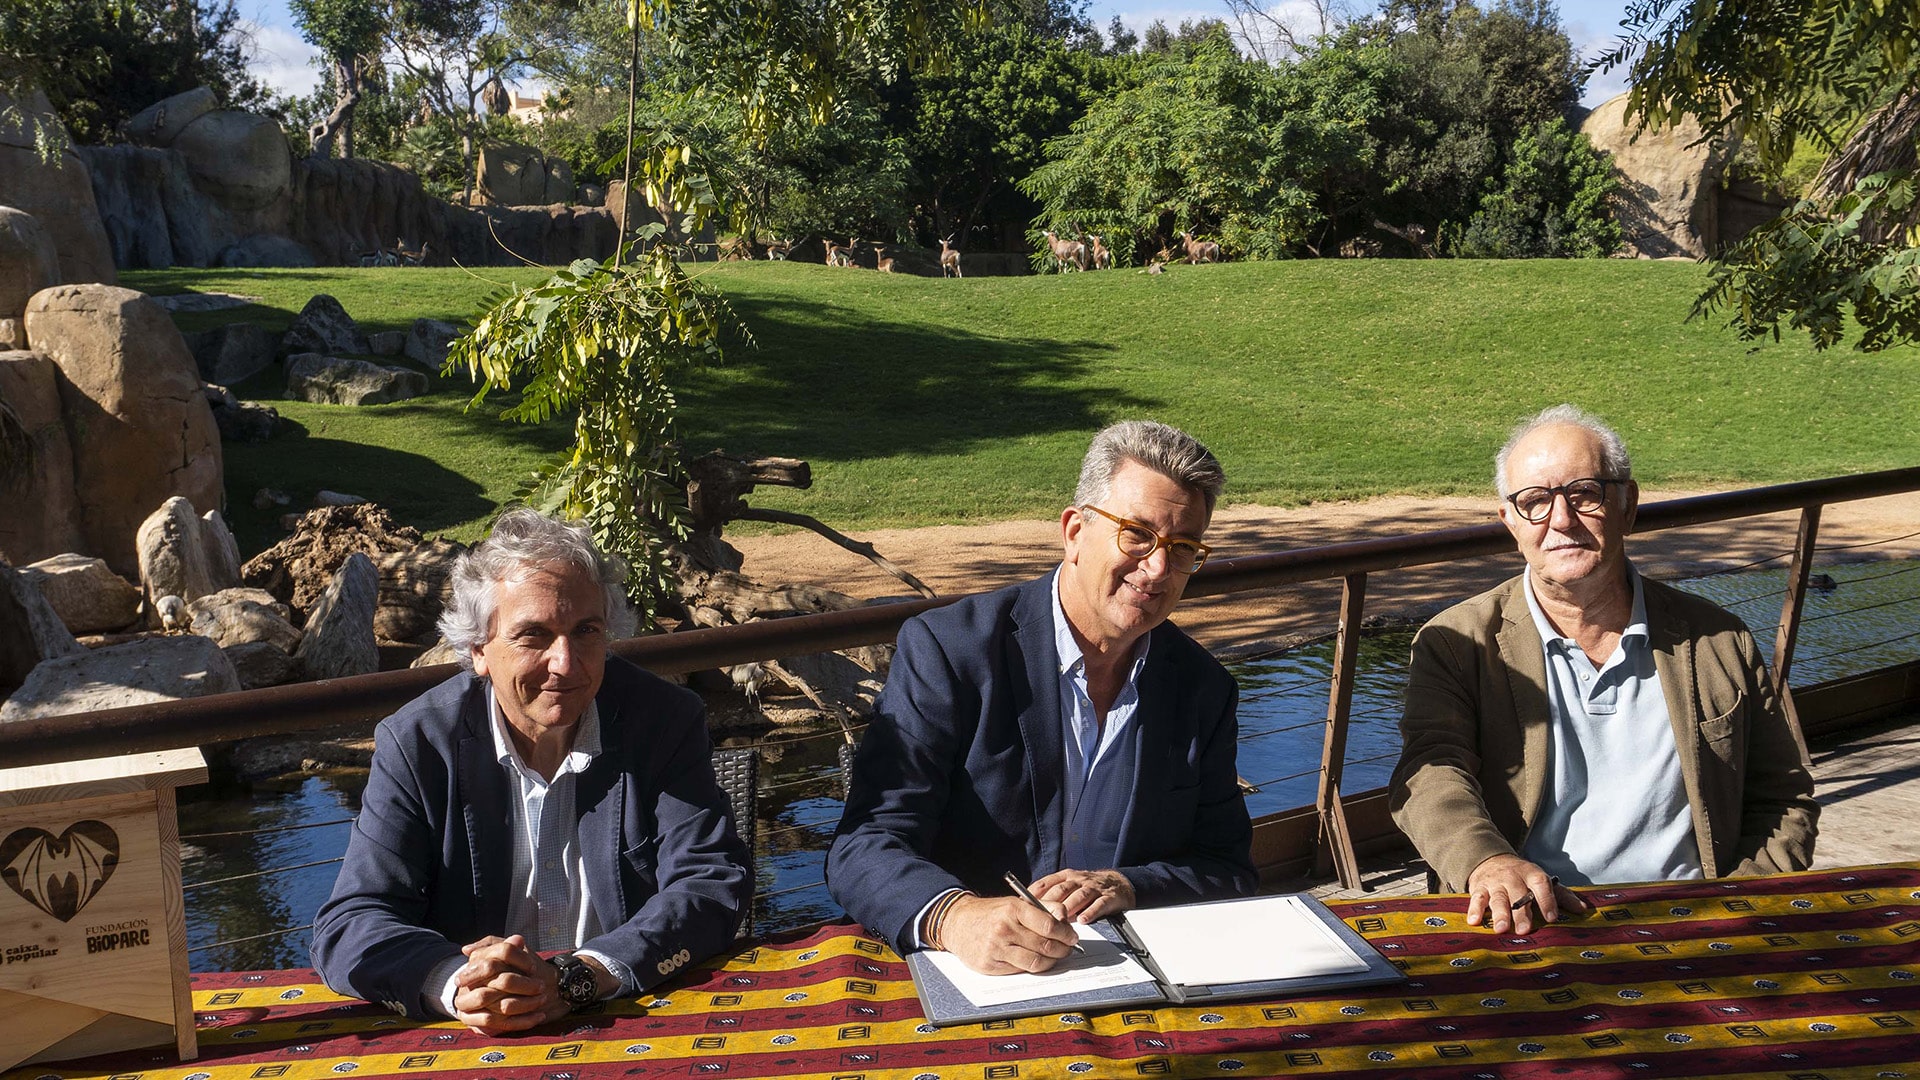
[60,874]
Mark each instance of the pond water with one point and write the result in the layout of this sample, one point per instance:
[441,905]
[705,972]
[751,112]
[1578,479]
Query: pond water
[295,827]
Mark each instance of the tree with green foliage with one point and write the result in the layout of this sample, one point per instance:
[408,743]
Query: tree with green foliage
[1206,141]
[102,61]
[975,128]
[347,33]
[604,341]
[1767,74]
[1551,202]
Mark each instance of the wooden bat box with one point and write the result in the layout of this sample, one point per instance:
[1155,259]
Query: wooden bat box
[93,934]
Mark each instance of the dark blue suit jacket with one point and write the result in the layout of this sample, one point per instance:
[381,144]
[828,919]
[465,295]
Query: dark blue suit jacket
[961,776]
[426,870]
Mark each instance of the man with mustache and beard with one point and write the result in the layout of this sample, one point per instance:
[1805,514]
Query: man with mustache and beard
[1582,725]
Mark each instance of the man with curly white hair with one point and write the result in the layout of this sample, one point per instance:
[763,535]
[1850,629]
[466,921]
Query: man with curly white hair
[543,830]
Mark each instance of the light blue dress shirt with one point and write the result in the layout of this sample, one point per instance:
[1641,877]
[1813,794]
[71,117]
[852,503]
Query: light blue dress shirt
[1101,756]
[1615,808]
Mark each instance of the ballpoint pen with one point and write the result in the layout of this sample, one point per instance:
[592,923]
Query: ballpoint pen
[1021,891]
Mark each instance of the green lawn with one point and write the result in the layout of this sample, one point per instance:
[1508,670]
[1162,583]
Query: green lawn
[920,400]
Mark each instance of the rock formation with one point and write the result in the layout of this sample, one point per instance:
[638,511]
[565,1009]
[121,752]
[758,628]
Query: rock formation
[58,194]
[239,615]
[232,352]
[323,326]
[164,668]
[1678,197]
[335,380]
[88,597]
[28,263]
[338,638]
[413,571]
[138,422]
[185,556]
[30,630]
[43,513]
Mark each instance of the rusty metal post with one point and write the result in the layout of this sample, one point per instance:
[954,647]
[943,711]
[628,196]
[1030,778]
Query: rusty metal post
[1335,846]
[1789,632]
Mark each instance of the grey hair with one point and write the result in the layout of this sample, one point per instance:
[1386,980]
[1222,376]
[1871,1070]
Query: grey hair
[1614,461]
[523,539]
[1166,450]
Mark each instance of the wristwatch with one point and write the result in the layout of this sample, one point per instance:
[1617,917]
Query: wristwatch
[578,984]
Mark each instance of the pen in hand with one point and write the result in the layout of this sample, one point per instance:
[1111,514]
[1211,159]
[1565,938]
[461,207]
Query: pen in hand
[1021,891]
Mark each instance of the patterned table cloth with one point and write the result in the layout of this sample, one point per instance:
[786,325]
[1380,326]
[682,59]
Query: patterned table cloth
[1799,976]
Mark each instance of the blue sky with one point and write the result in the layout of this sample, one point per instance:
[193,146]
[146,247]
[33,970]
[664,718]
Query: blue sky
[282,60]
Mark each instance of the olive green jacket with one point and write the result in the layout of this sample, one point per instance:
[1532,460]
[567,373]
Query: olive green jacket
[1473,765]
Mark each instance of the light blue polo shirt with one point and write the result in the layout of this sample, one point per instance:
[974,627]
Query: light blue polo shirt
[1615,808]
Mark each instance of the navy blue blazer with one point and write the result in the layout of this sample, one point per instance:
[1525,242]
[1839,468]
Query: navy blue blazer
[426,869]
[961,775]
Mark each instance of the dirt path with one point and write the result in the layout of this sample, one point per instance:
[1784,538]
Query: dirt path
[970,558]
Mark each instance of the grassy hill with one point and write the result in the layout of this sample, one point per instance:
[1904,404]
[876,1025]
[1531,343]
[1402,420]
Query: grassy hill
[920,400]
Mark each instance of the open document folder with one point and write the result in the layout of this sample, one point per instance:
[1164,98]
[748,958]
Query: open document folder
[1270,946]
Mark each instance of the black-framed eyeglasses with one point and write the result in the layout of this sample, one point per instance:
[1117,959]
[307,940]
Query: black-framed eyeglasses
[1584,496]
[1136,541]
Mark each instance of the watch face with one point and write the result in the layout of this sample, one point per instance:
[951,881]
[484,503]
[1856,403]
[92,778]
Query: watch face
[577,983]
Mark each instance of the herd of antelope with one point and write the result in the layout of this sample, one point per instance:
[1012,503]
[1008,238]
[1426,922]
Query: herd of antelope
[397,255]
[1091,253]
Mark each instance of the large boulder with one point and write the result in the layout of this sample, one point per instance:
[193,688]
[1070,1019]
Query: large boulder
[261,663]
[241,421]
[1679,196]
[239,615]
[28,263]
[323,326]
[88,597]
[428,341]
[42,514]
[513,176]
[338,639]
[337,380]
[231,353]
[162,122]
[241,159]
[137,420]
[415,586]
[30,630]
[153,215]
[185,556]
[59,194]
[135,673]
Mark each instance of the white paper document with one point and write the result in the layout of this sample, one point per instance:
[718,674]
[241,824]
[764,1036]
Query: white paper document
[1237,941]
[1104,964]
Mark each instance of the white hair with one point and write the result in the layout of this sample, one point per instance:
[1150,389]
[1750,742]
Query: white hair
[1166,450]
[521,539]
[1614,461]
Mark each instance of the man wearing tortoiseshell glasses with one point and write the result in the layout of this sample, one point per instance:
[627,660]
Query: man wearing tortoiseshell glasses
[1061,731]
[1583,725]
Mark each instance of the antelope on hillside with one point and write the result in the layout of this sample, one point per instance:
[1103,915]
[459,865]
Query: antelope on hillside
[949,259]
[837,255]
[1200,251]
[777,250]
[882,259]
[1102,257]
[1067,252]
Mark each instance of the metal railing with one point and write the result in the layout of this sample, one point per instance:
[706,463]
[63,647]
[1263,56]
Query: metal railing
[309,706]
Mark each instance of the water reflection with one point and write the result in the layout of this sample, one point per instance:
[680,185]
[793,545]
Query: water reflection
[1869,618]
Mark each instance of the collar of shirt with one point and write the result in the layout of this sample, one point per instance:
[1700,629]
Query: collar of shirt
[586,741]
[1634,636]
[1068,647]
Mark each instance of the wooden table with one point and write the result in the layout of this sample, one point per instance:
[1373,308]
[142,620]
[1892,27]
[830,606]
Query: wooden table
[1806,975]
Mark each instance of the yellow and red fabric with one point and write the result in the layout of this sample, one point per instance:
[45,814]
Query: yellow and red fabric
[1803,976]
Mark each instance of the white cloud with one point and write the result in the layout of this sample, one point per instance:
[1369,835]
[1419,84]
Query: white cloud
[281,59]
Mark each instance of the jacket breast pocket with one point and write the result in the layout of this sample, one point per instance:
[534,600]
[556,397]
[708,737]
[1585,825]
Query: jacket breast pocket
[1719,732]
